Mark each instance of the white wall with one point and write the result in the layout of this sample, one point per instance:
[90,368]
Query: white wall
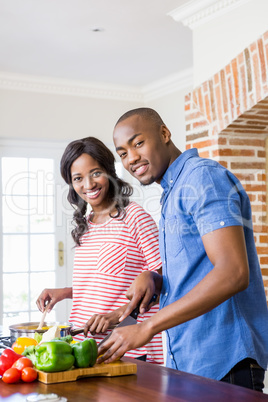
[57,117]
[218,41]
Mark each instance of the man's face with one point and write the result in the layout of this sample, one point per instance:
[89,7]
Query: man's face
[142,147]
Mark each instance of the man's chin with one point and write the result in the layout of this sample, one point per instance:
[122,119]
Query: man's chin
[147,181]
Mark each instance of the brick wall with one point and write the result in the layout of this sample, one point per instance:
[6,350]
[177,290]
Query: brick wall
[227,120]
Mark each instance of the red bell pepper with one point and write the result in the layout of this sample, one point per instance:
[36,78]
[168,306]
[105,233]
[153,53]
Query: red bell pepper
[7,358]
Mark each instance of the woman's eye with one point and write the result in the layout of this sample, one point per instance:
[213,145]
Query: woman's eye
[96,174]
[76,179]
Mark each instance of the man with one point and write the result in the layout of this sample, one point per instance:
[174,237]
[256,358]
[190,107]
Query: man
[212,298]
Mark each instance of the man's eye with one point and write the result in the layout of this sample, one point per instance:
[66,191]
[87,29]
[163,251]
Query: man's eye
[138,144]
[122,155]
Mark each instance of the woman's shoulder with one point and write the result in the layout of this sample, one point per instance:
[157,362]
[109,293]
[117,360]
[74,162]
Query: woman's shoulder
[135,211]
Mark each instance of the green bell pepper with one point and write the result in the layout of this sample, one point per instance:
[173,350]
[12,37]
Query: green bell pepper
[54,356]
[85,353]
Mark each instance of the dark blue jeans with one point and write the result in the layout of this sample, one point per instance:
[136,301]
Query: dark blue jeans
[246,373]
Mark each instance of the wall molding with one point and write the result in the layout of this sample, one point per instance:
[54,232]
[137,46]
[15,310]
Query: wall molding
[48,85]
[198,12]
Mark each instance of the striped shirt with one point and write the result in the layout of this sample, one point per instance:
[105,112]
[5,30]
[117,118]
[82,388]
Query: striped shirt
[111,256]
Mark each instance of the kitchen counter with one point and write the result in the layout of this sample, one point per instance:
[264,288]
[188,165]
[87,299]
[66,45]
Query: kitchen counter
[151,383]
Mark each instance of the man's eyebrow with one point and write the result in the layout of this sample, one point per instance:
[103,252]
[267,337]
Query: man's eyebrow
[129,141]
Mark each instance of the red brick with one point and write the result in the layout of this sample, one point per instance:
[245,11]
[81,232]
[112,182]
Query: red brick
[247,141]
[253,187]
[243,87]
[262,250]
[252,197]
[219,106]
[200,100]
[253,47]
[256,70]
[188,146]
[208,108]
[262,197]
[187,107]
[260,229]
[236,85]
[228,69]
[204,154]
[231,97]
[240,58]
[262,60]
[212,100]
[187,97]
[222,140]
[236,152]
[263,238]
[198,124]
[261,154]
[216,79]
[224,91]
[224,164]
[265,36]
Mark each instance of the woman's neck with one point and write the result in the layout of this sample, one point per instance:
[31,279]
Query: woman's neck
[101,216]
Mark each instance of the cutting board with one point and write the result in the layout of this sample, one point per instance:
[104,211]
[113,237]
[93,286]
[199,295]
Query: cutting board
[117,368]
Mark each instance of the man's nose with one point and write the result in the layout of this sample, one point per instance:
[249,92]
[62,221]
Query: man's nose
[133,156]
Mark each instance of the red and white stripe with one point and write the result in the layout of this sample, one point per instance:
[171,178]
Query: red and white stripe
[110,257]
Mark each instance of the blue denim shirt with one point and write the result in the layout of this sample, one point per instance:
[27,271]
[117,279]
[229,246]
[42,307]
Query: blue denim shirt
[201,196]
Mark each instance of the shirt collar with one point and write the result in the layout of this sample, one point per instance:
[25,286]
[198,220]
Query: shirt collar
[175,169]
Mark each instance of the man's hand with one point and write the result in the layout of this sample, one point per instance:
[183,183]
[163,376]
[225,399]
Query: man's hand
[124,339]
[142,290]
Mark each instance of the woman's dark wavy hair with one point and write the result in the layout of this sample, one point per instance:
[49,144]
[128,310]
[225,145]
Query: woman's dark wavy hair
[119,191]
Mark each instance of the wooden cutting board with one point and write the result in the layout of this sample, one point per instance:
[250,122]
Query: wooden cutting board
[107,370]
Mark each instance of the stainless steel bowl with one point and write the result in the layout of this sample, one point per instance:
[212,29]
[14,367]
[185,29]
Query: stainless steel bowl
[29,328]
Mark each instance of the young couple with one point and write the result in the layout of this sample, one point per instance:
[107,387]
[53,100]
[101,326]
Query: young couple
[212,300]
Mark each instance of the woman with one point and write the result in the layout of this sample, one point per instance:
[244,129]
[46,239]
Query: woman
[115,242]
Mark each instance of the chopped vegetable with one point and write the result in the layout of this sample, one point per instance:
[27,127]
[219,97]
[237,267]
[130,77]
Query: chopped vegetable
[7,358]
[54,356]
[67,338]
[21,343]
[38,337]
[50,334]
[85,353]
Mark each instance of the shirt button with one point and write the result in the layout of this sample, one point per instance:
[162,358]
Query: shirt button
[171,181]
[222,223]
[163,229]
[171,357]
[166,294]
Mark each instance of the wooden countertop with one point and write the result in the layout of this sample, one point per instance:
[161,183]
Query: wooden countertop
[152,383]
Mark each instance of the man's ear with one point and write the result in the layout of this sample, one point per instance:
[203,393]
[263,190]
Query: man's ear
[165,133]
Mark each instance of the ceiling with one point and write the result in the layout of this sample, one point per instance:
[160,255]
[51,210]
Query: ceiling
[137,44]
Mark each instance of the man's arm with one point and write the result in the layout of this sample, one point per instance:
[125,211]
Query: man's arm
[227,252]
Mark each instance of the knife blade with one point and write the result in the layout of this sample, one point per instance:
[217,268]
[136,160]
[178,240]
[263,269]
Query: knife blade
[131,319]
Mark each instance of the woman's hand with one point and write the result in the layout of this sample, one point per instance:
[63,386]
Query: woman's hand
[49,297]
[99,323]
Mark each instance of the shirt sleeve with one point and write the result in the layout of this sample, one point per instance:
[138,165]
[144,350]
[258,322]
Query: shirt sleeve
[213,198]
[145,233]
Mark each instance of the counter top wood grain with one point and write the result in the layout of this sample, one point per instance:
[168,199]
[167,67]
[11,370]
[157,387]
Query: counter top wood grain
[151,383]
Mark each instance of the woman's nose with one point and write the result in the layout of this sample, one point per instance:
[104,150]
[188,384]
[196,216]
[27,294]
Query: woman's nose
[89,182]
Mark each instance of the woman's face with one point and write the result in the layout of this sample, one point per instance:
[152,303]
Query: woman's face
[90,181]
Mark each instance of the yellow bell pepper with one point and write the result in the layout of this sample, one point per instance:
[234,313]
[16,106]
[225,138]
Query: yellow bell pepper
[21,343]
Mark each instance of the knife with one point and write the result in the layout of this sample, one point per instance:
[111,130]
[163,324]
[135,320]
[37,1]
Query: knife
[131,319]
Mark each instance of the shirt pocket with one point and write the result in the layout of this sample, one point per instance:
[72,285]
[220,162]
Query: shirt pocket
[112,259]
[172,236]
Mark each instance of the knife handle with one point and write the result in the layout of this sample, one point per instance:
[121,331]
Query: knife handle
[136,311]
